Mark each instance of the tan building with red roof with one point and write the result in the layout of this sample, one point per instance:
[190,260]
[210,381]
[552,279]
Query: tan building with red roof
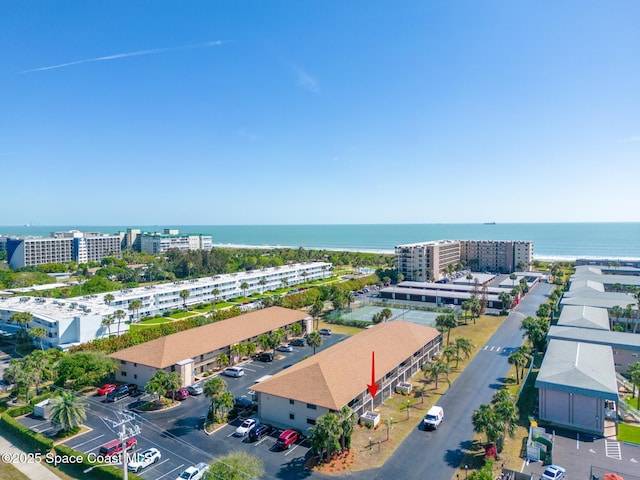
[339,376]
[196,350]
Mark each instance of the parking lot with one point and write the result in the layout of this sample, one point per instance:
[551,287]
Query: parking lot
[577,452]
[178,432]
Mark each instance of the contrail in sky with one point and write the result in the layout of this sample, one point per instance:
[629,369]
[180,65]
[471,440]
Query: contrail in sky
[128,54]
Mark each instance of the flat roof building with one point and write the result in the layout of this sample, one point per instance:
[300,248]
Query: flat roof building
[338,376]
[582,316]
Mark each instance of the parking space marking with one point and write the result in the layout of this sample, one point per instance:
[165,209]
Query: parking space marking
[84,443]
[155,465]
[261,440]
[94,448]
[612,449]
[291,449]
[171,471]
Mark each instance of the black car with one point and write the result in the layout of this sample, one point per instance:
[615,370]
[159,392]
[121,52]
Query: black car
[297,342]
[260,431]
[121,392]
[243,402]
[266,357]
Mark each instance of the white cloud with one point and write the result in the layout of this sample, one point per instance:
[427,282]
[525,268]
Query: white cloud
[127,54]
[305,80]
[631,139]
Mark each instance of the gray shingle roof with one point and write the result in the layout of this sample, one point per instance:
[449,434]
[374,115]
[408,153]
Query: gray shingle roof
[585,317]
[617,340]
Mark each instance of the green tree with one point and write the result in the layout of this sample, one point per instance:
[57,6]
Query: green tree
[134,306]
[347,418]
[22,319]
[109,298]
[215,292]
[513,277]
[21,374]
[474,307]
[447,322]
[536,330]
[616,312]
[633,371]
[469,277]
[506,299]
[244,286]
[184,294]
[107,321]
[236,352]
[119,315]
[432,370]
[316,310]
[236,466]
[264,341]
[85,368]
[213,389]
[628,314]
[37,334]
[39,366]
[158,384]
[325,435]
[519,360]
[314,339]
[250,349]
[486,421]
[464,347]
[67,411]
[174,382]
[223,359]
[485,473]
[296,329]
[386,313]
[505,410]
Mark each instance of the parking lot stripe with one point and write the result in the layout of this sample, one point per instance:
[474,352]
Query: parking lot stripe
[84,443]
[291,450]
[156,465]
[260,441]
[171,471]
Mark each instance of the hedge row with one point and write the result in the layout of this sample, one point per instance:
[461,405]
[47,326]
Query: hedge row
[348,322]
[36,441]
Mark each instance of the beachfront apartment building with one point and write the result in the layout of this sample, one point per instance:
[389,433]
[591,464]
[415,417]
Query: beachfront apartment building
[60,247]
[427,261]
[77,320]
[156,242]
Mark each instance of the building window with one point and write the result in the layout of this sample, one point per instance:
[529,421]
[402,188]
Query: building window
[124,374]
[173,368]
[122,362]
[311,421]
[135,364]
[311,406]
[291,402]
[135,376]
[292,416]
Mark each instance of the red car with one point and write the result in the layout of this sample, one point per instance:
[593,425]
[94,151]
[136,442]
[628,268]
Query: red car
[115,447]
[107,388]
[287,438]
[180,394]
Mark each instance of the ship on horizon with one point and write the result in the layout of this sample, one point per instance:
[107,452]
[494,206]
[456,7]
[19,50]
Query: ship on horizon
[489,223]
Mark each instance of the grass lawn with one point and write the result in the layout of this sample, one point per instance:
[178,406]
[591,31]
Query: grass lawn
[181,315]
[220,305]
[628,433]
[9,472]
[154,321]
[634,402]
[370,453]
[341,329]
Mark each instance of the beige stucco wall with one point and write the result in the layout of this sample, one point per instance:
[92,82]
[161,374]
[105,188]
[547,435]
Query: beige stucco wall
[277,410]
[572,410]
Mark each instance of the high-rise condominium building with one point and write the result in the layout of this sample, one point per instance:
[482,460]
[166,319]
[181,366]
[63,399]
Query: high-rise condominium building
[425,261]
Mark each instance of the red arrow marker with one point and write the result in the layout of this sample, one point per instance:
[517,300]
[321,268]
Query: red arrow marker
[373,388]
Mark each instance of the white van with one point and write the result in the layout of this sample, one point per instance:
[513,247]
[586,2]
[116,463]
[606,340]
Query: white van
[433,418]
[233,371]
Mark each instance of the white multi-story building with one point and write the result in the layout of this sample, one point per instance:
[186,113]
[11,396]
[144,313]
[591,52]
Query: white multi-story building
[77,320]
[80,247]
[154,243]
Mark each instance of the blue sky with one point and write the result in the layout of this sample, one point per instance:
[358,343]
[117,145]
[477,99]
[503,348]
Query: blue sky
[319,112]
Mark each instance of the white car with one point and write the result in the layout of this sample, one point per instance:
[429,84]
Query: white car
[194,473]
[144,459]
[285,348]
[248,425]
[553,472]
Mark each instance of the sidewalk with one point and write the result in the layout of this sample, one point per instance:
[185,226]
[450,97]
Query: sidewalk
[31,470]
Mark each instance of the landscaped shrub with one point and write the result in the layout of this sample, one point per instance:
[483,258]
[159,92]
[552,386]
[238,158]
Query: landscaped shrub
[19,411]
[36,441]
[99,473]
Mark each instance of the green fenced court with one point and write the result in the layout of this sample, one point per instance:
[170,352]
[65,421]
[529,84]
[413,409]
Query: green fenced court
[367,311]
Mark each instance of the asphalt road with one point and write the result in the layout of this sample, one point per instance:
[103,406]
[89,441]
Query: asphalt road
[437,455]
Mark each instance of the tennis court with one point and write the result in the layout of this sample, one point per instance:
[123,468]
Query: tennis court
[415,316]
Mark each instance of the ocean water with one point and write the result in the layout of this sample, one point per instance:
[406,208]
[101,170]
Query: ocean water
[551,240]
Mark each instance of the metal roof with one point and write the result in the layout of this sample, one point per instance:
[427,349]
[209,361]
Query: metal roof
[585,317]
[617,340]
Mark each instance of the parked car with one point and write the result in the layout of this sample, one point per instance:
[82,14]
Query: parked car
[266,357]
[260,431]
[297,342]
[116,446]
[233,372]
[285,348]
[194,473]
[287,438]
[243,402]
[554,472]
[107,388]
[144,459]
[195,389]
[121,392]
[246,426]
[180,394]
[324,331]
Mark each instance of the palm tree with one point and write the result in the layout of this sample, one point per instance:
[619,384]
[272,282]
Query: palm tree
[244,286]
[264,341]
[22,319]
[617,312]
[349,297]
[38,333]
[296,329]
[433,370]
[449,353]
[67,411]
[107,321]
[316,310]
[184,294]
[38,364]
[108,298]
[347,419]
[236,352]
[263,282]
[506,299]
[223,359]
[386,313]
[119,315]
[250,349]
[519,360]
[157,384]
[464,346]
[505,410]
[486,421]
[628,313]
[447,322]
[314,339]
[134,306]
[174,382]
[285,282]
[215,292]
[213,390]
[633,371]
[469,277]
[513,277]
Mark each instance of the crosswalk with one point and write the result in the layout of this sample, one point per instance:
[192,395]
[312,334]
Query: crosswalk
[613,449]
[497,349]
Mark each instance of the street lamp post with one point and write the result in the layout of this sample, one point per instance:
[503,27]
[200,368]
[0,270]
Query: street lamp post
[466,471]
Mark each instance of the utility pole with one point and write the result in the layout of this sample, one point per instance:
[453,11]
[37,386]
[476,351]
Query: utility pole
[125,433]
